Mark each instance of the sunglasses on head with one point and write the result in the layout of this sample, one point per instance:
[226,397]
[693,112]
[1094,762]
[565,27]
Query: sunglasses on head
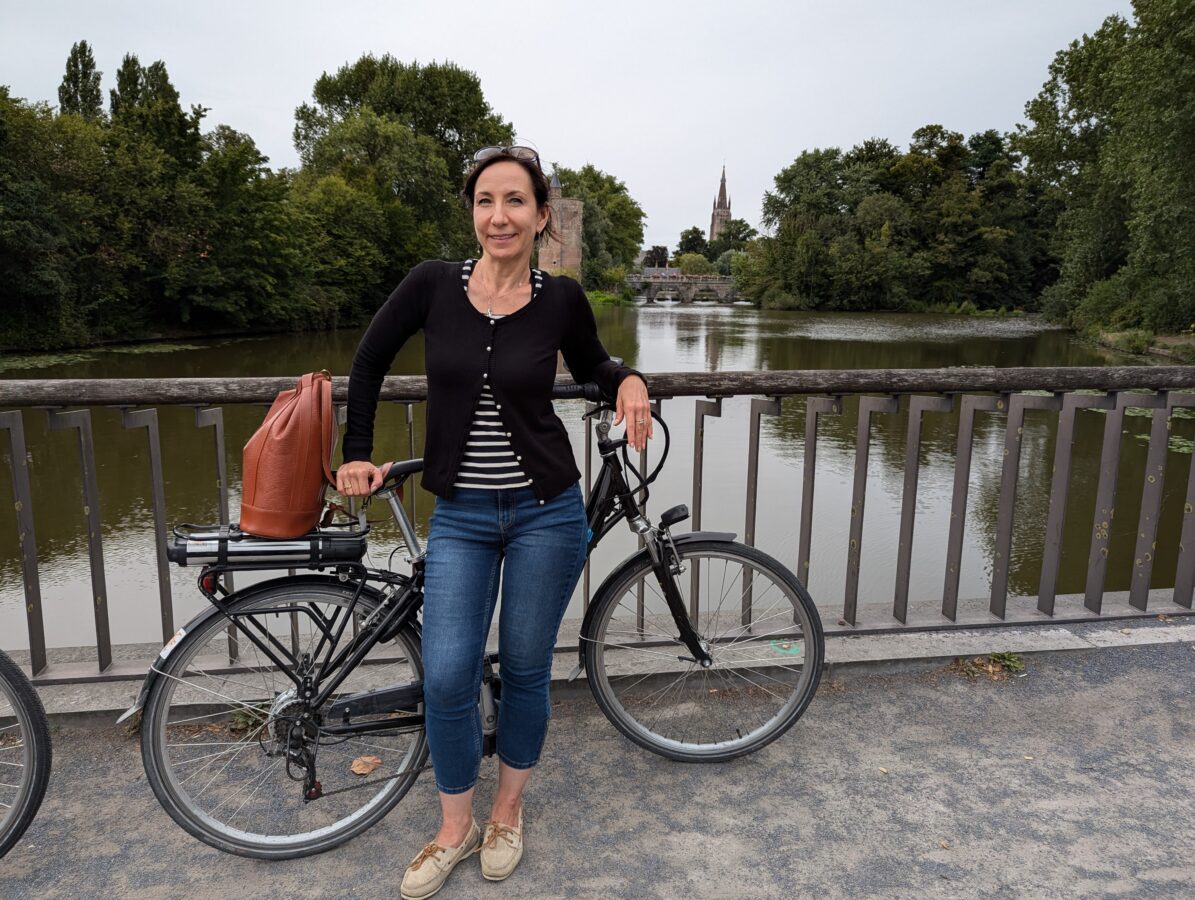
[515,150]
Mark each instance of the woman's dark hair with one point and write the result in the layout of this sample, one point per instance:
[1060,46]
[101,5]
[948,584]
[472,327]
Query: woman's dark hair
[539,186]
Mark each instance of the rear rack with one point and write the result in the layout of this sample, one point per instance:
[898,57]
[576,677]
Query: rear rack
[227,545]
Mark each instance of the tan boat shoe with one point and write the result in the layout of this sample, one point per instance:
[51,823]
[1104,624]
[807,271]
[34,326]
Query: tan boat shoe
[502,848]
[430,869]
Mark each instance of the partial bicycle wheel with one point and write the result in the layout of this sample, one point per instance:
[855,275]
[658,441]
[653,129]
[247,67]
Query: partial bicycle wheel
[25,753]
[221,729]
[758,624]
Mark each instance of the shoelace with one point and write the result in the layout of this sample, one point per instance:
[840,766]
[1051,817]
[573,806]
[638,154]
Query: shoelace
[432,849]
[497,830]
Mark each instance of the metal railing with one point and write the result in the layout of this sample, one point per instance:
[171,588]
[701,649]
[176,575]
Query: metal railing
[1007,392]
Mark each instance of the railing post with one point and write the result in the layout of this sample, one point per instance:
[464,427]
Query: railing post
[702,409]
[1060,491]
[908,499]
[1105,500]
[1010,472]
[867,407]
[1151,502]
[213,417]
[958,501]
[80,419]
[1184,572]
[148,419]
[18,462]
[759,407]
[814,407]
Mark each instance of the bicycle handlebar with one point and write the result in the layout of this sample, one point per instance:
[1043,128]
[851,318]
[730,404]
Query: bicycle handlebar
[588,391]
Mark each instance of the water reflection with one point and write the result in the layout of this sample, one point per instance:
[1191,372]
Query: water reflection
[654,338]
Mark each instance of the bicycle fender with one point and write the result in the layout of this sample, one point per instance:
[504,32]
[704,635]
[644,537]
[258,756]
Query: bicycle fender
[153,674]
[687,538]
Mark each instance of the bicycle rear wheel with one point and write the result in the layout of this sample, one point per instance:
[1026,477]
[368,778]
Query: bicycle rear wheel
[24,753]
[758,624]
[221,717]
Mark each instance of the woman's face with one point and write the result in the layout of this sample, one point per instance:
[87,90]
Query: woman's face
[505,216]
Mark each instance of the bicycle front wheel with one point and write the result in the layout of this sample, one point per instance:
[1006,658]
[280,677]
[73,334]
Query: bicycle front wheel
[24,753]
[756,621]
[227,747]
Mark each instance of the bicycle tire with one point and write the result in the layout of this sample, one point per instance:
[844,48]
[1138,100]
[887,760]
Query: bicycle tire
[644,651]
[29,734]
[168,779]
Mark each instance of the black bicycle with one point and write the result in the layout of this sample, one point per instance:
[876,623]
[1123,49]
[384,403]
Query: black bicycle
[24,753]
[288,717]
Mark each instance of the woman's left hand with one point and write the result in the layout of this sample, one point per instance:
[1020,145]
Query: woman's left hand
[634,406]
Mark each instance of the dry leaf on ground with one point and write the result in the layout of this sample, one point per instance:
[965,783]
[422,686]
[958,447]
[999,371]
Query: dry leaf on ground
[944,844]
[1126,631]
[363,765]
[883,770]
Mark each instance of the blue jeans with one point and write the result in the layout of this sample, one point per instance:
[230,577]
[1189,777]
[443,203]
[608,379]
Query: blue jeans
[540,550]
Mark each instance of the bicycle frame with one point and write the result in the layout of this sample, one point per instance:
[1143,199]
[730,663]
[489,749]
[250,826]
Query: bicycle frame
[611,499]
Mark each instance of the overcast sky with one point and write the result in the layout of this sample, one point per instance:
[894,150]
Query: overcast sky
[659,94]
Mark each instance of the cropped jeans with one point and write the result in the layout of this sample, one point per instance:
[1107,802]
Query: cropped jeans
[540,550]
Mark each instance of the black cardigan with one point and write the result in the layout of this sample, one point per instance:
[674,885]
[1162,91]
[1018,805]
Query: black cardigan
[465,349]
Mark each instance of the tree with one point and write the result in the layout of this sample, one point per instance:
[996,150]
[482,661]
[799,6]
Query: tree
[130,85]
[439,100]
[656,257]
[734,236]
[612,221]
[408,179]
[694,264]
[79,93]
[692,240]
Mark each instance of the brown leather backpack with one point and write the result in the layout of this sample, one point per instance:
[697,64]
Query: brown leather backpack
[287,461]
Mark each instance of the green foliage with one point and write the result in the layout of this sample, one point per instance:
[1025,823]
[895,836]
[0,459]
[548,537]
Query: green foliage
[1135,340]
[694,264]
[948,221]
[735,235]
[656,257]
[1106,143]
[612,222]
[622,297]
[439,100]
[692,240]
[79,94]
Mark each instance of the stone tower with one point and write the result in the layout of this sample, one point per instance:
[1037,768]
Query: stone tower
[721,210]
[562,254]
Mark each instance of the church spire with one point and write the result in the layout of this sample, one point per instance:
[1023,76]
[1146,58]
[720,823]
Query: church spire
[722,204]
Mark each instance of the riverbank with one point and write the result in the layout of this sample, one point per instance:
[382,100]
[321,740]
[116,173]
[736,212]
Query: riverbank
[1175,347]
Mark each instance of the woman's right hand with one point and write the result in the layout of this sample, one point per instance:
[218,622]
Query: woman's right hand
[358,478]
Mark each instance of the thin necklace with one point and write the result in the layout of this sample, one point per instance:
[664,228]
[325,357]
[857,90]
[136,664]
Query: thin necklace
[489,303]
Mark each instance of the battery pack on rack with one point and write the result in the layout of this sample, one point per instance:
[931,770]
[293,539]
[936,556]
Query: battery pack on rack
[207,545]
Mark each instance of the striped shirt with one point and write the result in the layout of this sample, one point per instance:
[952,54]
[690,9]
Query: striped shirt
[490,462]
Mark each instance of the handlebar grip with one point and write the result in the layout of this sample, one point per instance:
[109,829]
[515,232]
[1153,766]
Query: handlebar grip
[589,391]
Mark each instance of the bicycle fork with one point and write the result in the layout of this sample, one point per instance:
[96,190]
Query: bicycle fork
[665,563]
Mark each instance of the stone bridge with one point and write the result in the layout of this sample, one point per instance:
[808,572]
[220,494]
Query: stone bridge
[685,288]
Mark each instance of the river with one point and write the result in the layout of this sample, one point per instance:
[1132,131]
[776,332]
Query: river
[655,339]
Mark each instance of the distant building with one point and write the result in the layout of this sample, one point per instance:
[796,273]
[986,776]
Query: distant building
[721,210]
[563,253]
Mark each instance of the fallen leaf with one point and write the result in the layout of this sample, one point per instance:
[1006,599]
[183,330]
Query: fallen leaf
[882,769]
[1126,631]
[944,844]
[1028,757]
[363,765]
[1162,617]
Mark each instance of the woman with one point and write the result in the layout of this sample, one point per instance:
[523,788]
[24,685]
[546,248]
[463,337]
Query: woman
[509,498]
